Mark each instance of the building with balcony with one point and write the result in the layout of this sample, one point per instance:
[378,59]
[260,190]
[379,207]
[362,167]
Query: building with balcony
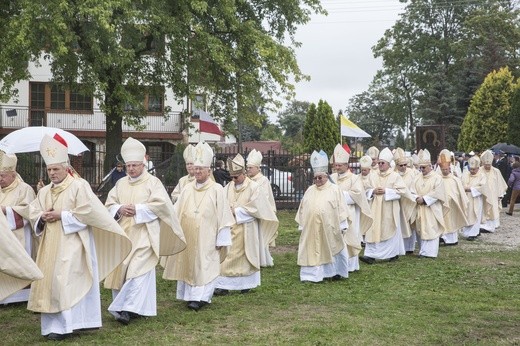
[42,103]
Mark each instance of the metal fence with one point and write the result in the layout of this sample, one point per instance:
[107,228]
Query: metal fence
[289,172]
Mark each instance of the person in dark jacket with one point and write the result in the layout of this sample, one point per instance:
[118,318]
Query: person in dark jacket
[514,184]
[221,174]
[118,173]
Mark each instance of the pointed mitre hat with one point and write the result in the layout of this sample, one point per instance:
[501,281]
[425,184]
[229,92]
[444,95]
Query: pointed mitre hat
[386,155]
[474,162]
[365,162]
[400,157]
[487,157]
[319,162]
[254,158]
[444,158]
[424,157]
[341,155]
[133,151]
[236,165]
[54,150]
[373,152]
[188,153]
[203,155]
[7,162]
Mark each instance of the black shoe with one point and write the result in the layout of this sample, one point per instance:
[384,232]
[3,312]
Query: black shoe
[367,260]
[471,238]
[124,318]
[245,291]
[393,259]
[220,292]
[409,252]
[482,230]
[336,277]
[57,337]
[452,244]
[193,305]
[442,241]
[508,213]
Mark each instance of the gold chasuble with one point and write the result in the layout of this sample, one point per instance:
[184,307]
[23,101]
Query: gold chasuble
[161,237]
[243,256]
[18,196]
[65,258]
[407,205]
[353,184]
[269,229]
[429,219]
[183,181]
[478,182]
[494,189]
[320,214]
[386,213]
[457,202]
[203,212]
[17,269]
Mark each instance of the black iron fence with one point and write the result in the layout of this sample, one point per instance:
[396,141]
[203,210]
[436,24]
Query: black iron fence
[289,172]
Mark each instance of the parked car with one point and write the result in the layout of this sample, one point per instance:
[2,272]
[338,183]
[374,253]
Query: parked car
[281,182]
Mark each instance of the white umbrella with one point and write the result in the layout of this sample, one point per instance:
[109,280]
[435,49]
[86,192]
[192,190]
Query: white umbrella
[28,139]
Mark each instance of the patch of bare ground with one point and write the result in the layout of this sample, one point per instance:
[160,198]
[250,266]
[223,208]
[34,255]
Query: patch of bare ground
[506,237]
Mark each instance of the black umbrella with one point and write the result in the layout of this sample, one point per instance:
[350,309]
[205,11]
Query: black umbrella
[507,148]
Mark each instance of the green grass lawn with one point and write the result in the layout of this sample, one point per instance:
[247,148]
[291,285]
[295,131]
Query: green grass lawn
[463,297]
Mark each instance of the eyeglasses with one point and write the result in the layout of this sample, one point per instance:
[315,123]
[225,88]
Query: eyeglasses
[381,163]
[319,177]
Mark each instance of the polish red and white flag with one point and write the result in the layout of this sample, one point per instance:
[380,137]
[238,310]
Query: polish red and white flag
[207,124]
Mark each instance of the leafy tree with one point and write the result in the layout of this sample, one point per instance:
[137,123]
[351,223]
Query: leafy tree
[234,51]
[321,130]
[487,118]
[291,120]
[439,52]
[513,128]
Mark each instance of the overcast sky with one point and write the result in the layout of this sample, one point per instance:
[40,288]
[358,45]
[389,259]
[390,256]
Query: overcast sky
[336,49]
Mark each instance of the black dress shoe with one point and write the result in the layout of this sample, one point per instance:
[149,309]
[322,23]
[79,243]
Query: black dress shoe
[367,260]
[245,291]
[393,259]
[57,337]
[442,241]
[220,292]
[123,318]
[484,231]
[409,252]
[452,244]
[193,305]
[336,277]
[508,213]
[471,238]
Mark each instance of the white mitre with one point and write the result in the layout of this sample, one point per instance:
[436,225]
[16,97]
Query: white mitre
[203,155]
[340,154]
[365,162]
[386,155]
[8,162]
[424,157]
[373,152]
[400,156]
[54,150]
[254,158]
[188,153]
[486,157]
[474,162]
[319,162]
[133,151]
